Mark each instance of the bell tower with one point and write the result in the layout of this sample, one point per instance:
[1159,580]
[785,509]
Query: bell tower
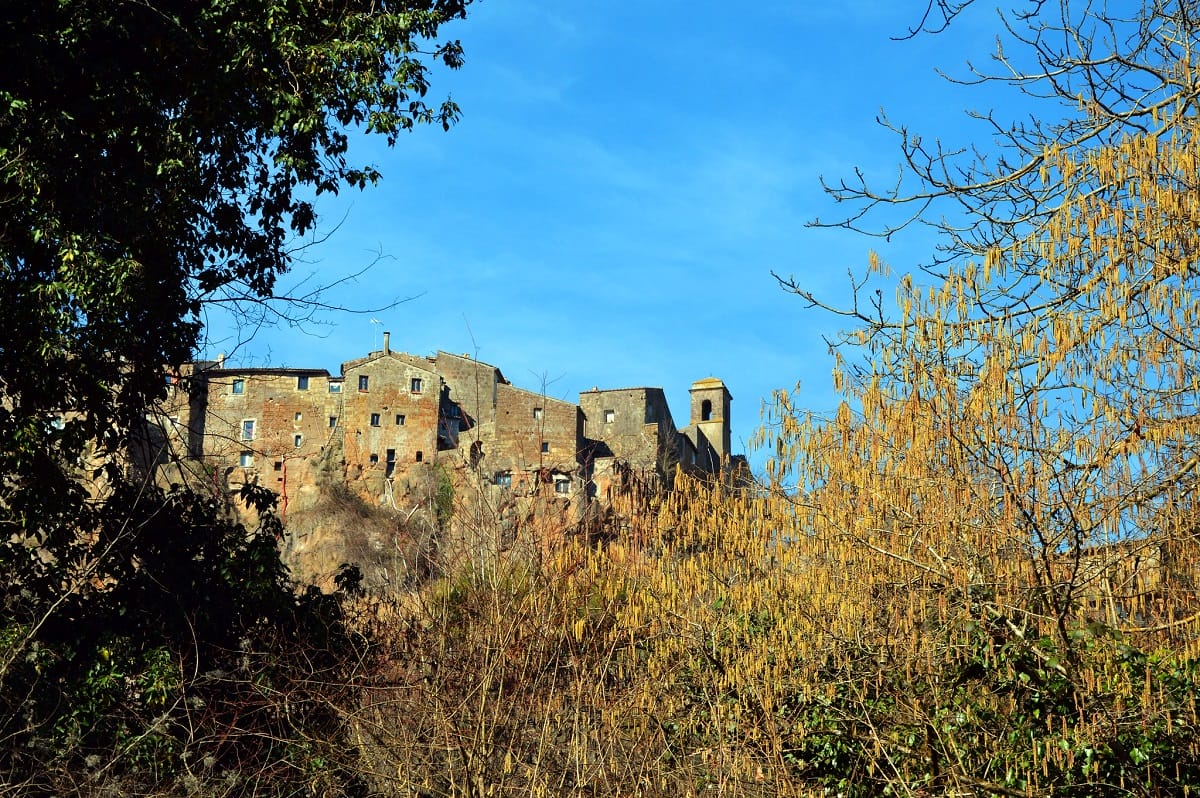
[710,413]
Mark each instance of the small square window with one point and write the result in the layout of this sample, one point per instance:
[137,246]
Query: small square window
[374,459]
[399,419]
[246,459]
[297,440]
[562,485]
[278,465]
[610,416]
[537,414]
[302,383]
[374,419]
[335,387]
[332,422]
[545,447]
[417,384]
[248,429]
[364,382]
[239,386]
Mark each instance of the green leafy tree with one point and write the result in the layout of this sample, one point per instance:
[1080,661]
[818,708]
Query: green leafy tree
[155,156]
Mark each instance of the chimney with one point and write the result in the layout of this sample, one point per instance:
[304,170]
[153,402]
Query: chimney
[387,342]
[221,360]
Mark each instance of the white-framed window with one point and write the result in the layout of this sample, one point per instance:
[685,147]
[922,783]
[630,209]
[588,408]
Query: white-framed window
[562,484]
[335,387]
[239,386]
[610,416]
[246,459]
[302,383]
[247,429]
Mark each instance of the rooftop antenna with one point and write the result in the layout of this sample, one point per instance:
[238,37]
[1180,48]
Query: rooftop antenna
[375,336]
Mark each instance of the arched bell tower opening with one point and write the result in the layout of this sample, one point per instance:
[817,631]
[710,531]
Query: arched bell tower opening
[706,410]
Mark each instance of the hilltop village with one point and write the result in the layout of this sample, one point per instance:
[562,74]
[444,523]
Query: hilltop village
[389,419]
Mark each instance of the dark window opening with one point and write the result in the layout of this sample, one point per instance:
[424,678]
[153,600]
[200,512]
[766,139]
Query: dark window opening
[706,410]
[239,386]
[278,465]
[504,479]
[537,414]
[417,385]
[302,383]
[399,419]
[420,456]
[364,382]
[545,447]
[332,422]
[391,462]
[374,458]
[374,419]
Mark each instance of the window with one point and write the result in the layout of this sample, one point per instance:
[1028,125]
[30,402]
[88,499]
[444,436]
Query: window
[278,465]
[57,422]
[545,447]
[246,459]
[332,422]
[248,429]
[562,484]
[399,419]
[374,459]
[374,419]
[417,384]
[297,440]
[706,410]
[391,462]
[504,479]
[537,414]
[609,416]
[420,456]
[299,416]
[239,386]
[335,387]
[364,382]
[302,383]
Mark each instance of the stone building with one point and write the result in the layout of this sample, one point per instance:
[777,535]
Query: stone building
[390,418]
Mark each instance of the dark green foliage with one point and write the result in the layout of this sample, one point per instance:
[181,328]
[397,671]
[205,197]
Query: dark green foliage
[155,157]
[183,643]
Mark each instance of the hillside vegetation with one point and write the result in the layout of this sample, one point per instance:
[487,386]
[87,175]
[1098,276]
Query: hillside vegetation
[975,577]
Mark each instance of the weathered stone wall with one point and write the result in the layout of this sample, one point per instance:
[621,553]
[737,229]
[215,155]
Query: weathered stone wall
[390,418]
[473,387]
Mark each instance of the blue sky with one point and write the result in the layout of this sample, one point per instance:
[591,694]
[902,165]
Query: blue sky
[624,179]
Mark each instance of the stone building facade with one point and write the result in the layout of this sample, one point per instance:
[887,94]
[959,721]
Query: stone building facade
[390,418]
